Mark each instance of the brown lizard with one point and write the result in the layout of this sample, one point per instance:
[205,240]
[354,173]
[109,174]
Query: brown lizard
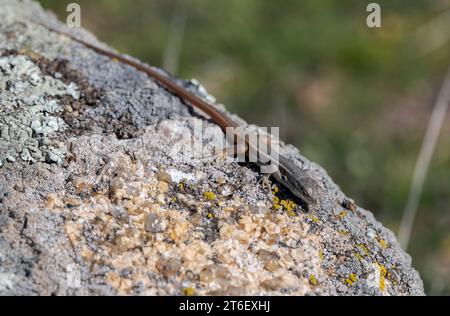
[299,183]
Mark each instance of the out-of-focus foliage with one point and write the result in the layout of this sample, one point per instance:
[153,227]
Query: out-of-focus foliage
[354,99]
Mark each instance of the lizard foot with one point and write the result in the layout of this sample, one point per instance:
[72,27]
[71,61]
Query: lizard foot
[265,182]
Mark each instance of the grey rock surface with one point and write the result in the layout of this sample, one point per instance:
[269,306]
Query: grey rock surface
[101,192]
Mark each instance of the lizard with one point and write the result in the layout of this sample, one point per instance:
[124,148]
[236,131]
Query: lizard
[291,176]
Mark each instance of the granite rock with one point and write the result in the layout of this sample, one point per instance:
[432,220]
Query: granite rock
[102,192]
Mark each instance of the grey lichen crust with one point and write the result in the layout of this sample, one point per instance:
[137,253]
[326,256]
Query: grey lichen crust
[28,116]
[94,199]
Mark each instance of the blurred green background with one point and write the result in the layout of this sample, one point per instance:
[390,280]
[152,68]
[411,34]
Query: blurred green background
[355,99]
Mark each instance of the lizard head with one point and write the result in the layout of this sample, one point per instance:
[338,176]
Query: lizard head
[307,189]
[303,187]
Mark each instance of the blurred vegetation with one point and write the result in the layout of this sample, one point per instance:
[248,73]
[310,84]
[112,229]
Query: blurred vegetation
[354,99]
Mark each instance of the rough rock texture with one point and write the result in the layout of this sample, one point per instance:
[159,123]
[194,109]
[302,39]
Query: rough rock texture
[99,193]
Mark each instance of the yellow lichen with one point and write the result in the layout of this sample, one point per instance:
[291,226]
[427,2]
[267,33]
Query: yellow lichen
[358,256]
[289,205]
[383,274]
[383,243]
[321,255]
[209,195]
[276,203]
[181,186]
[276,206]
[188,291]
[382,283]
[352,278]
[314,219]
[363,247]
[291,213]
[342,214]
[313,280]
[210,215]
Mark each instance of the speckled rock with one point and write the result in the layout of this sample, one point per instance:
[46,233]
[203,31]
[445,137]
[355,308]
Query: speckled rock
[102,193]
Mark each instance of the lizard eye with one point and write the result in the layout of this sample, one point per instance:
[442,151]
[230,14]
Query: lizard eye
[306,193]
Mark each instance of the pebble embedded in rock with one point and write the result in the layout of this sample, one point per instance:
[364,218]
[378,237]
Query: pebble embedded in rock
[155,223]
